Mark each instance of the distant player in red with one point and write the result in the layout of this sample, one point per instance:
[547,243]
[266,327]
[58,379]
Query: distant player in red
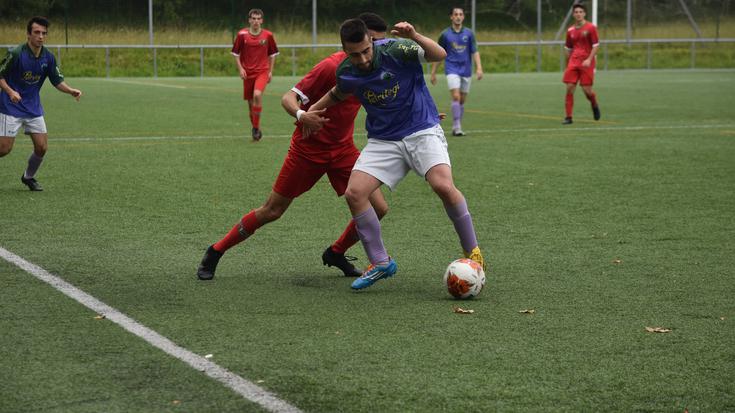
[330,150]
[255,53]
[581,47]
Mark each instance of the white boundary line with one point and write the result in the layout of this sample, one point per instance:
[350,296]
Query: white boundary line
[473,131]
[241,386]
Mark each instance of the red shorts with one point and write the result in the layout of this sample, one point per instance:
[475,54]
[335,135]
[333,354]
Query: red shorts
[252,83]
[299,174]
[584,75]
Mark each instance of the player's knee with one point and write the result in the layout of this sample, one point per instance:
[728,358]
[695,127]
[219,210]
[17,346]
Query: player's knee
[444,189]
[40,150]
[381,210]
[353,197]
[5,149]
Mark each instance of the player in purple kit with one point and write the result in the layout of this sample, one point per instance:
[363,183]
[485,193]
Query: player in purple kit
[461,47]
[403,134]
[22,73]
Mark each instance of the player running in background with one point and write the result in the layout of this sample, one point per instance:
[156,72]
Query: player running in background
[581,47]
[330,151]
[461,47]
[403,134]
[22,73]
[255,53]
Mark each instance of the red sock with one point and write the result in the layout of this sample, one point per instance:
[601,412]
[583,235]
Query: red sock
[592,97]
[250,112]
[348,238]
[241,231]
[569,104]
[255,115]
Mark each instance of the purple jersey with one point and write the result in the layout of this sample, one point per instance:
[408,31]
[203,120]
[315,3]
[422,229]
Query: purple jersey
[25,73]
[460,47]
[393,92]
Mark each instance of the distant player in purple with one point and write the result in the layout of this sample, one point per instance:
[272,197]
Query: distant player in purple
[22,73]
[403,134]
[461,47]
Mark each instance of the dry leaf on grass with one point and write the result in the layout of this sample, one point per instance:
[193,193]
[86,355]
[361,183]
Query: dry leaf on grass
[658,330]
[459,310]
[176,402]
[208,356]
[529,311]
[99,317]
[617,261]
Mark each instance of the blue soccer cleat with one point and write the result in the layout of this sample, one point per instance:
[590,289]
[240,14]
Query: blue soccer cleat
[374,273]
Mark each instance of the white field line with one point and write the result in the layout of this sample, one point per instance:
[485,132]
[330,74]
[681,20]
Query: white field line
[470,131]
[241,386]
[132,82]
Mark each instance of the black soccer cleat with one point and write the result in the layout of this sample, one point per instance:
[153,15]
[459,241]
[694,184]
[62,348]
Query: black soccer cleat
[334,259]
[257,134]
[458,132]
[31,183]
[209,264]
[567,121]
[596,112]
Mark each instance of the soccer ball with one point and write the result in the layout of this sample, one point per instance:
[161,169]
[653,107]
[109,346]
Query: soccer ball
[464,278]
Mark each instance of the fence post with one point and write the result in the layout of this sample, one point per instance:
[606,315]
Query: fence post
[58,54]
[538,58]
[648,57]
[518,59]
[604,52]
[201,62]
[293,61]
[694,55]
[561,58]
[155,63]
[107,61]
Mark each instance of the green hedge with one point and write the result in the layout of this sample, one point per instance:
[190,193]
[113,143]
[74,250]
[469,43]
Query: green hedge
[495,59]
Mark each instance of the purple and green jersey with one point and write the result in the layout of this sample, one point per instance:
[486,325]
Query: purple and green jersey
[393,92]
[25,73]
[460,47]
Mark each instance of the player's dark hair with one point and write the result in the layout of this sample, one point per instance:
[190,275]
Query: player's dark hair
[352,31]
[255,11]
[373,22]
[39,20]
[451,10]
[580,6]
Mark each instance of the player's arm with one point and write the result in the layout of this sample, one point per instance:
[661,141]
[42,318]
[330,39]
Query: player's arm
[311,121]
[271,65]
[329,99]
[14,96]
[5,66]
[240,69]
[432,51]
[588,61]
[478,65]
[63,87]
[434,66]
[595,40]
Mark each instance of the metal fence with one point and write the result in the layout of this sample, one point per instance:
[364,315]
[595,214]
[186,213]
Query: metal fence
[603,55]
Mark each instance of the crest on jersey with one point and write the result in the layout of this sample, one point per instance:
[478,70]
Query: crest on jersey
[465,38]
[261,42]
[386,76]
[585,33]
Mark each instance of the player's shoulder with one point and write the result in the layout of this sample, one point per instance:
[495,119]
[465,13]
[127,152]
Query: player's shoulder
[571,28]
[266,33]
[243,31]
[343,66]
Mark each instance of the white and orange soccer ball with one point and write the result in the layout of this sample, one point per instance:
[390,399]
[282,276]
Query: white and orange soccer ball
[464,278]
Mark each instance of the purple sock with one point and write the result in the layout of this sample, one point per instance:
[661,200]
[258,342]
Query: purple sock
[368,228]
[456,114]
[461,112]
[34,162]
[462,220]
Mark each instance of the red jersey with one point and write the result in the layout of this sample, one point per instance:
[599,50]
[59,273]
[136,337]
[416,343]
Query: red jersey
[336,135]
[254,50]
[581,41]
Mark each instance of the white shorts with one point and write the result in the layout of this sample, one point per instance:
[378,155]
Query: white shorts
[9,125]
[459,82]
[390,161]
